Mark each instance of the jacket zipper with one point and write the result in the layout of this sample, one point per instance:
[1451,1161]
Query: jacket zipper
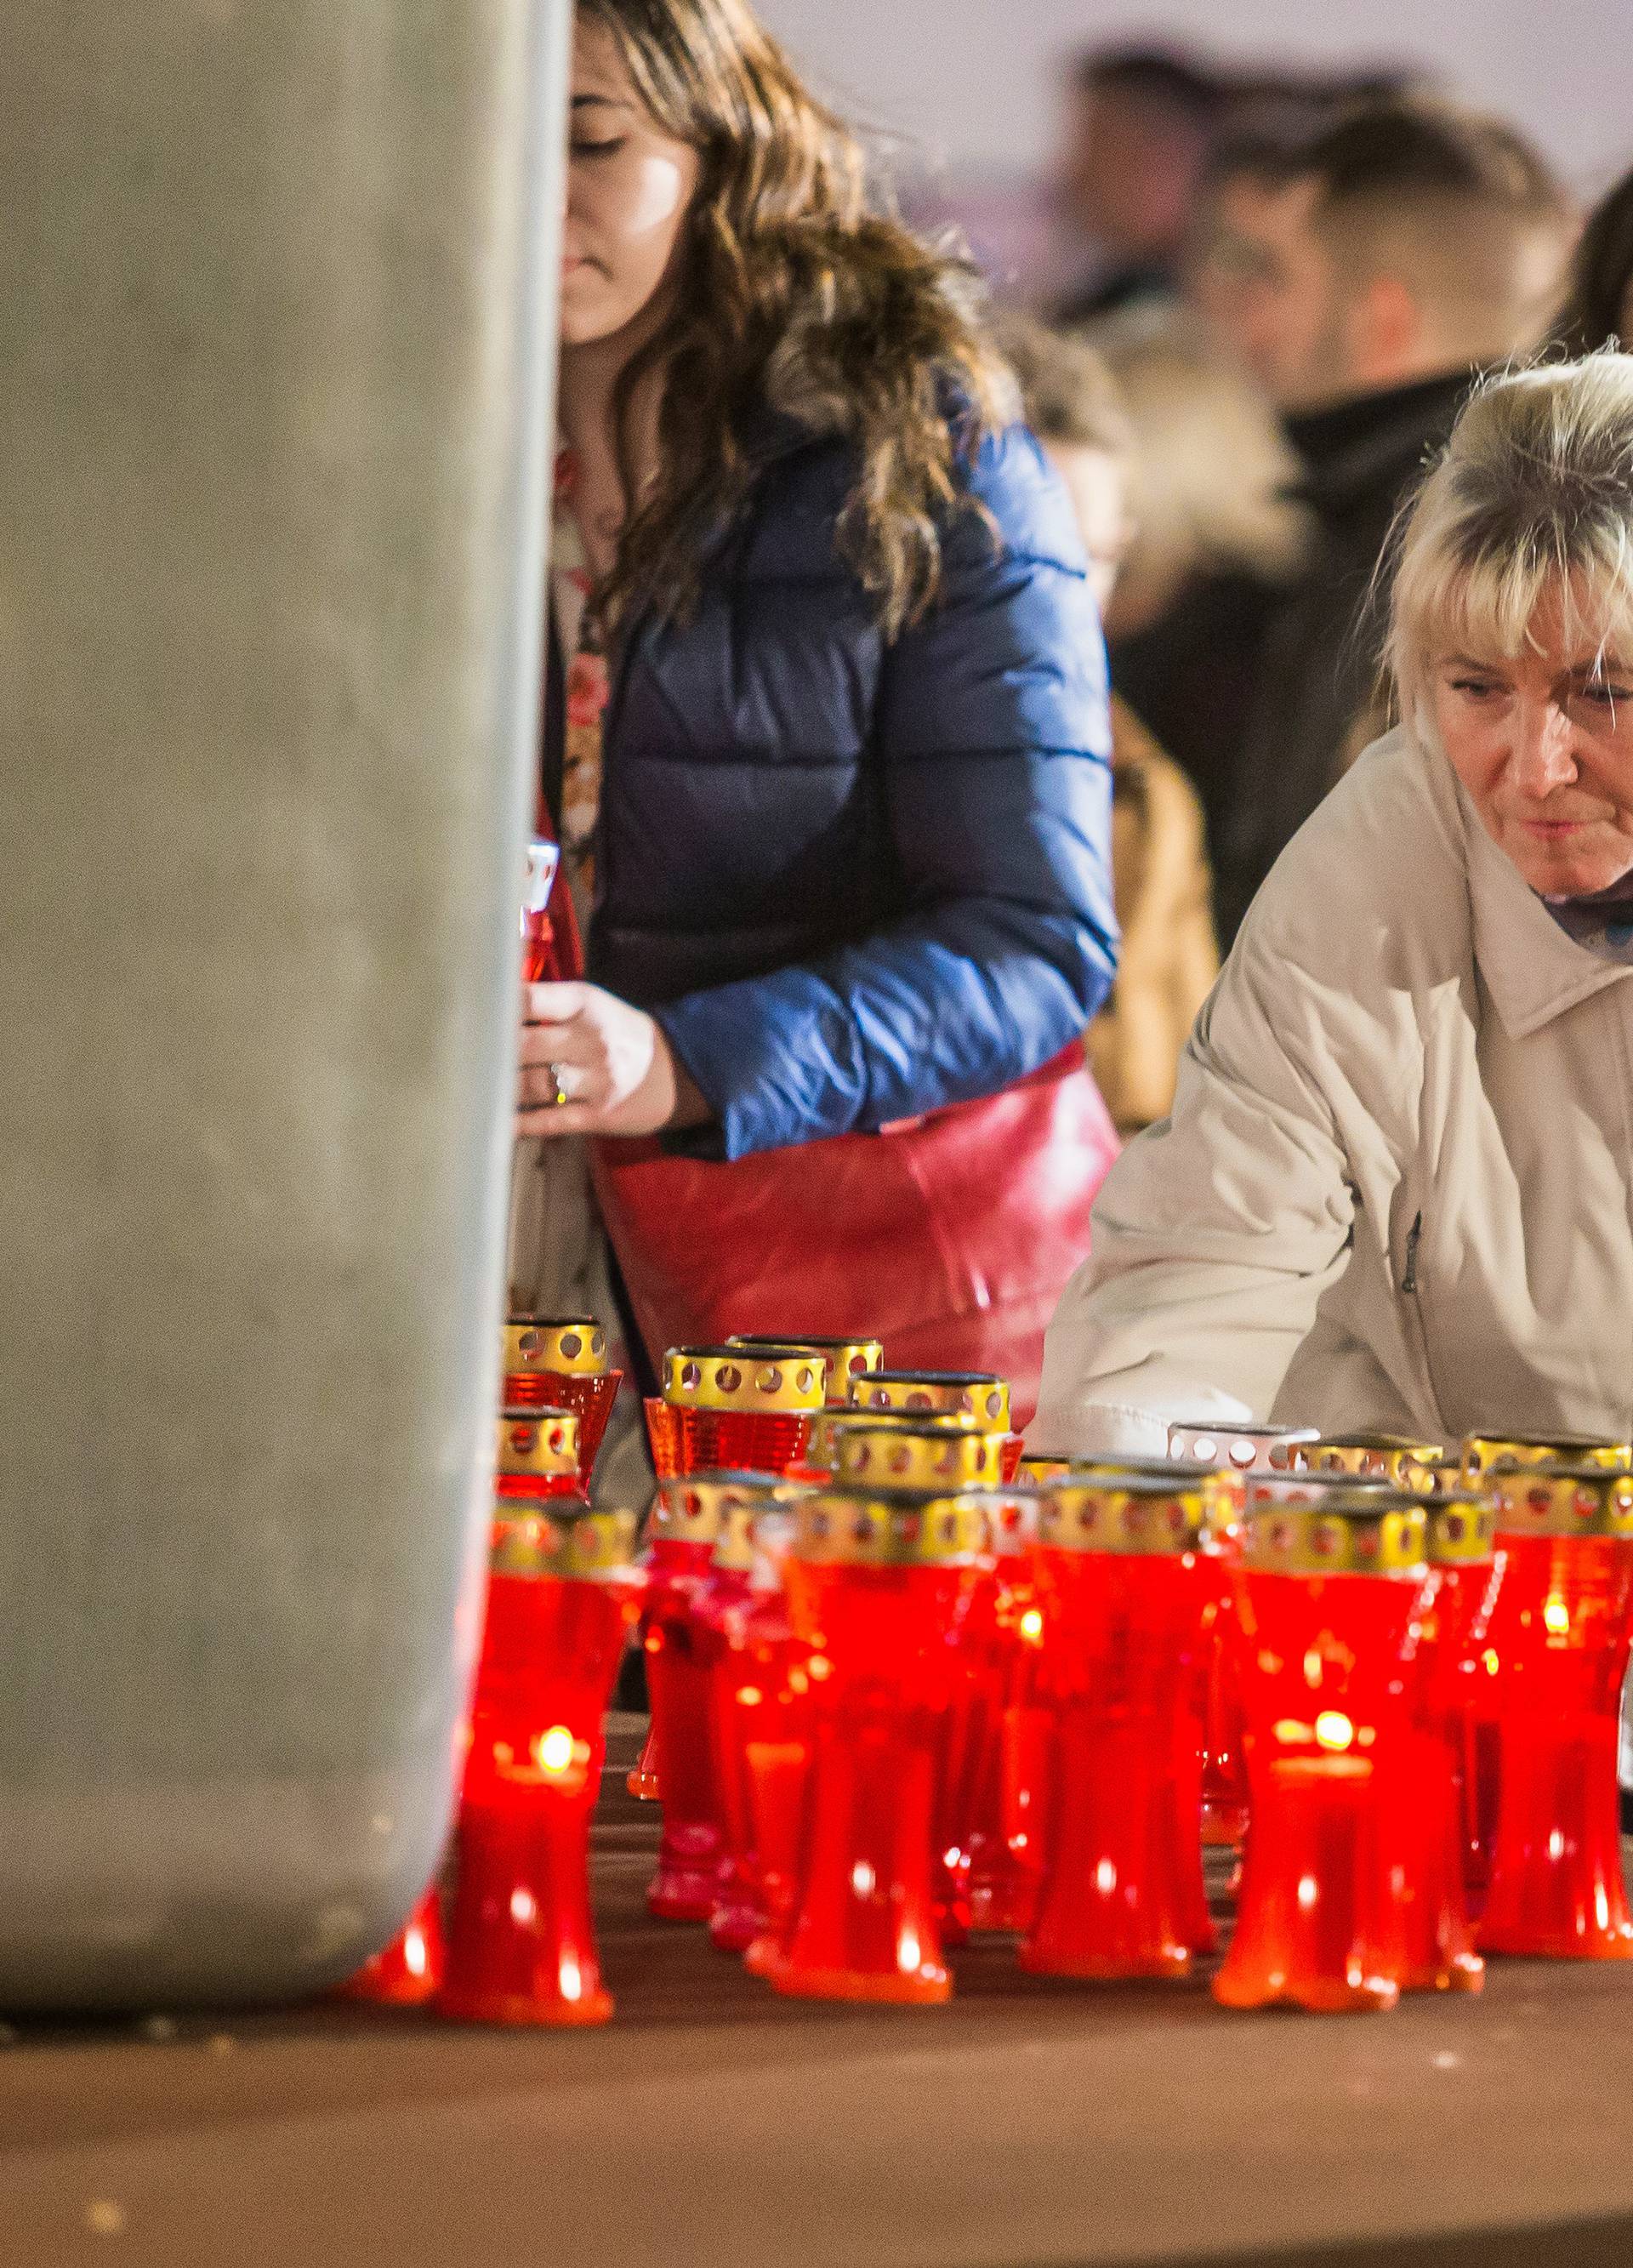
[1409,1280]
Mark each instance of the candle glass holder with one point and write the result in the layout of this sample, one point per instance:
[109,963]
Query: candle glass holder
[1557,1621]
[1486,1458]
[746,1697]
[1122,1586]
[1440,1949]
[562,1595]
[684,1530]
[1329,1598]
[560,1362]
[725,1411]
[878,1588]
[408,1972]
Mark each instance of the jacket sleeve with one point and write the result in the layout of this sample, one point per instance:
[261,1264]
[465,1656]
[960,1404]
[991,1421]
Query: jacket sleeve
[1217,1233]
[992,739]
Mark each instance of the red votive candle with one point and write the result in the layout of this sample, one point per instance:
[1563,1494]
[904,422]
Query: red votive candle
[878,1587]
[560,1597]
[740,1626]
[409,1970]
[1122,1586]
[691,1851]
[536,1454]
[1329,1600]
[722,1410]
[1440,1950]
[1487,1457]
[1557,1621]
[560,1362]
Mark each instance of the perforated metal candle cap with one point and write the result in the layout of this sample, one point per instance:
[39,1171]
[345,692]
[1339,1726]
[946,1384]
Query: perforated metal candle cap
[572,1345]
[1222,1487]
[733,1378]
[1244,1448]
[1125,1512]
[564,1540]
[1416,1465]
[719,1508]
[887,1527]
[845,1358]
[541,1442]
[1365,1530]
[975,1395]
[1562,1501]
[930,1454]
[1485,1453]
[1461,1530]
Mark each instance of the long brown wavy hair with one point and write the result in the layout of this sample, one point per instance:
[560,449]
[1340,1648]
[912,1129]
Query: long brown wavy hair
[795,297]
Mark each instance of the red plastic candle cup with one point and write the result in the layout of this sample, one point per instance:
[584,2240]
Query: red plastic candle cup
[1486,1458]
[1558,1620]
[536,1456]
[562,1595]
[741,1636]
[538,939]
[1440,1949]
[724,1410]
[1330,1605]
[1122,1586]
[997,1737]
[878,1587]
[408,1972]
[942,1455]
[680,1542]
[560,1362]
[844,1359]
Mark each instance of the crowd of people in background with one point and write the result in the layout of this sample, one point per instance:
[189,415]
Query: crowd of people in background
[1291,284]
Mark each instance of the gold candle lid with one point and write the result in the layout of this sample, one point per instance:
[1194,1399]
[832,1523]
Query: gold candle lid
[1242,1448]
[846,1358]
[1561,1500]
[923,1456]
[542,1442]
[563,1538]
[887,1527]
[1127,1513]
[730,1378]
[1485,1453]
[1394,1457]
[977,1395]
[1461,1530]
[1365,1531]
[718,1509]
[1222,1487]
[573,1344]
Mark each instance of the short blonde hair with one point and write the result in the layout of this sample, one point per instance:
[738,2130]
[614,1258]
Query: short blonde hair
[1531,497]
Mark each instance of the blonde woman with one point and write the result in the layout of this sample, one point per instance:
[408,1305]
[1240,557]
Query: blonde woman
[1397,1187]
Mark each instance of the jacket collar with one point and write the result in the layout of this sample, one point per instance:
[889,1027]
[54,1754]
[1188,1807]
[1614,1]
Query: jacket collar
[1533,970]
[1371,443]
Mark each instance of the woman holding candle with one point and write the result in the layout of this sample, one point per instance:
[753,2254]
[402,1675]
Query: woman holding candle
[1394,1191]
[826,737]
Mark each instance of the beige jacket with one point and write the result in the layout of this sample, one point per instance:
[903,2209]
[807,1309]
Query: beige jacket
[1395,1190]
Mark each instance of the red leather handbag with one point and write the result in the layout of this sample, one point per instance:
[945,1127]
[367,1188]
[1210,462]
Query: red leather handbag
[949,1236]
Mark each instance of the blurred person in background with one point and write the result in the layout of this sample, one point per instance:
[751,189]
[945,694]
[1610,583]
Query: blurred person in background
[1430,243]
[1598,311]
[1216,542]
[1140,124]
[825,739]
[1168,959]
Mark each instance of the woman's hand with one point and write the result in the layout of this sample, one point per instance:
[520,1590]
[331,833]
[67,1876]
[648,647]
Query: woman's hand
[610,1063]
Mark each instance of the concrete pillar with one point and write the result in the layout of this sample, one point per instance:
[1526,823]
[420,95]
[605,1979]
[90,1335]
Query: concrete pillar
[276,282]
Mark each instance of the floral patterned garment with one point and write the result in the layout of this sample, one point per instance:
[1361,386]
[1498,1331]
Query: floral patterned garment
[573,597]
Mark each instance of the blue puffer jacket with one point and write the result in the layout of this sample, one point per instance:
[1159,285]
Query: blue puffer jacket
[855,880]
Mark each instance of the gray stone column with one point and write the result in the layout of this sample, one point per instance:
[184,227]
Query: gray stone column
[276,331]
